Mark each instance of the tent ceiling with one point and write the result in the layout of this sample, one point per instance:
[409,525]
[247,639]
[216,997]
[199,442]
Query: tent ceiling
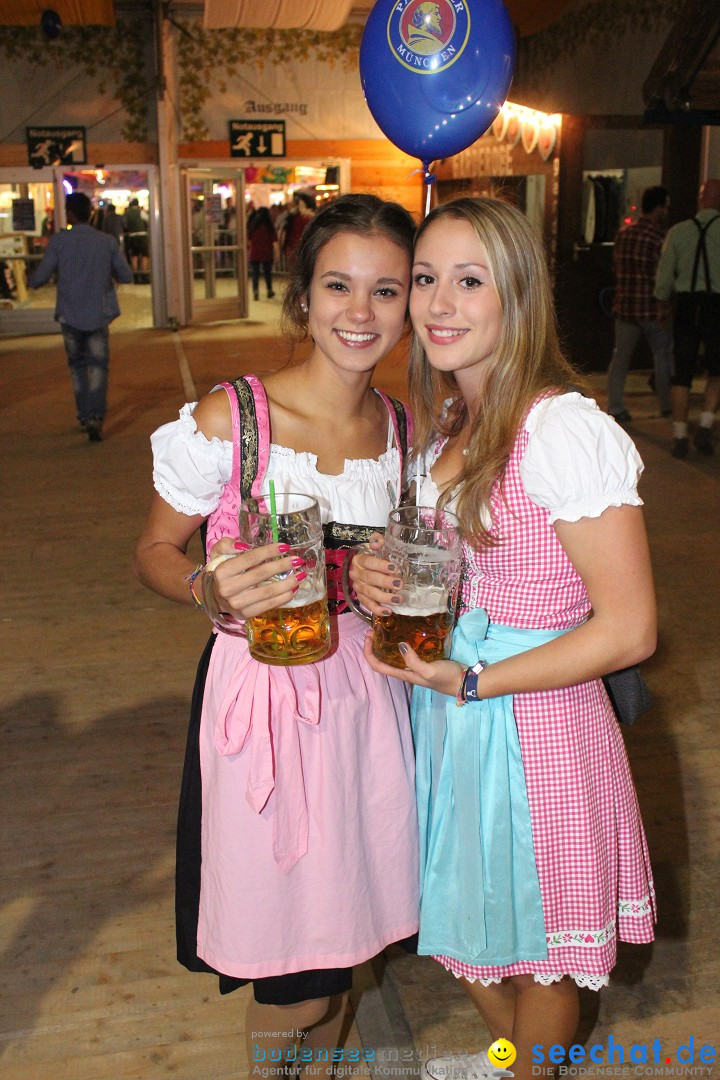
[72,12]
[685,78]
[528,15]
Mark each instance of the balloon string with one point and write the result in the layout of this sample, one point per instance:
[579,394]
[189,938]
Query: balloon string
[428,180]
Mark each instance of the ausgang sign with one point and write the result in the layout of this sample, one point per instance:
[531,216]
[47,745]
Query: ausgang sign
[257,138]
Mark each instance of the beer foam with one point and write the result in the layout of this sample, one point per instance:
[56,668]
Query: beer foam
[418,612]
[305,596]
[420,602]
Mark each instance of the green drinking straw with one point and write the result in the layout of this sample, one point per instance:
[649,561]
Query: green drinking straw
[273,511]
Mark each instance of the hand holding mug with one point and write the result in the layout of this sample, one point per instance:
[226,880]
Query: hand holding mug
[244,582]
[444,676]
[415,601]
[296,628]
[374,579]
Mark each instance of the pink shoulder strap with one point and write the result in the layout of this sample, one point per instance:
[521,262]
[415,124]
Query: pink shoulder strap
[235,413]
[393,416]
[403,444]
[262,420]
[262,414]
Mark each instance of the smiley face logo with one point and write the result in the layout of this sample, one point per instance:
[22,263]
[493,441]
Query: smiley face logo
[502,1053]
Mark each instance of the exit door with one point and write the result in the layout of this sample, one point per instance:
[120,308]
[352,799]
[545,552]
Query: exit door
[215,245]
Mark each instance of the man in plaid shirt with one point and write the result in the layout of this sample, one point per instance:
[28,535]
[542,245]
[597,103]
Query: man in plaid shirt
[635,260]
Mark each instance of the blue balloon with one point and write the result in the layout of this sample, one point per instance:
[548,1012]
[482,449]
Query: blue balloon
[435,73]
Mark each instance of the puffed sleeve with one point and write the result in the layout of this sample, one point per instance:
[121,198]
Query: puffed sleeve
[189,470]
[578,461]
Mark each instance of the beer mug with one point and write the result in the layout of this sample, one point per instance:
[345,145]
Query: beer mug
[299,631]
[425,545]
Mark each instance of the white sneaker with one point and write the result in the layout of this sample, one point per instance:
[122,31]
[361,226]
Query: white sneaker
[470,1067]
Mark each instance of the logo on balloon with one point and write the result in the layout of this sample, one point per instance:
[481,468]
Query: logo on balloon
[465,51]
[428,36]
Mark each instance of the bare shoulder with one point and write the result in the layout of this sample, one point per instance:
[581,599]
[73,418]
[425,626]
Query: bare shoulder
[213,416]
[289,404]
[280,386]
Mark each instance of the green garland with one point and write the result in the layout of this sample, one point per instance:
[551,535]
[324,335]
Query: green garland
[209,60]
[113,55]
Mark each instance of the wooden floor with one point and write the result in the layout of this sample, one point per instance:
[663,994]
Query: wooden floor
[96,679]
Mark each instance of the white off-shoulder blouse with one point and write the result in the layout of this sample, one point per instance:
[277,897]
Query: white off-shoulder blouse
[578,461]
[190,472]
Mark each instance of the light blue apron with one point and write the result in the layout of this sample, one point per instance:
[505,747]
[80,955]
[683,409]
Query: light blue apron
[480,896]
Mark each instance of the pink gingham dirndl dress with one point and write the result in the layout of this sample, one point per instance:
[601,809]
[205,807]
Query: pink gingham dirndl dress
[590,847]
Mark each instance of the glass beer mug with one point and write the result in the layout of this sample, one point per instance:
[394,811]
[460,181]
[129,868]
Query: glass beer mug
[425,545]
[299,631]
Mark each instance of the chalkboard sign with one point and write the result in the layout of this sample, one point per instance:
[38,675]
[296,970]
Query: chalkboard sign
[23,215]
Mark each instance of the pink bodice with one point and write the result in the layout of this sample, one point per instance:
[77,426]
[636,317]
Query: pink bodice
[527,579]
[251,453]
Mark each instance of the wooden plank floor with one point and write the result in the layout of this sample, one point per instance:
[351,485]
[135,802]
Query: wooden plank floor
[96,677]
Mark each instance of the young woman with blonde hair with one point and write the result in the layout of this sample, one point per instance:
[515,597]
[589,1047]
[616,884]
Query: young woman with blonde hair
[533,856]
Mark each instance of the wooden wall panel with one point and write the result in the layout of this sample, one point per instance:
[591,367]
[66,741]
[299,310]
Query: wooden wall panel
[376,165]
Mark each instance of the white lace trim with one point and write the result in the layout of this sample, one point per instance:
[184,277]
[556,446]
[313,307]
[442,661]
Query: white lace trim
[183,502]
[592,982]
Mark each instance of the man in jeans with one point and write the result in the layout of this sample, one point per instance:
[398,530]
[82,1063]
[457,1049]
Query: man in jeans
[635,259]
[86,262]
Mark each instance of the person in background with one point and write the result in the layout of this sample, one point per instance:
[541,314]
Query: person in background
[532,851]
[97,215]
[112,223]
[87,263]
[138,248]
[297,221]
[230,220]
[689,275]
[261,237]
[48,226]
[297,831]
[635,259]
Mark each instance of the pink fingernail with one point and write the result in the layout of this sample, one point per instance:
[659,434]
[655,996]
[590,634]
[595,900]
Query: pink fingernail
[295,588]
[283,547]
[301,576]
[298,562]
[239,546]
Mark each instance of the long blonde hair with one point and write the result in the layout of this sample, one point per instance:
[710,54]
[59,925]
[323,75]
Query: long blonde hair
[527,361]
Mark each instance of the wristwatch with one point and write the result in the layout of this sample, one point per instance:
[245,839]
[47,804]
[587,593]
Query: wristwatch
[468,686]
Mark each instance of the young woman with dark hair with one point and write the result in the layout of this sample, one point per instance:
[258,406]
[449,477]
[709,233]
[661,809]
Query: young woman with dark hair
[297,838]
